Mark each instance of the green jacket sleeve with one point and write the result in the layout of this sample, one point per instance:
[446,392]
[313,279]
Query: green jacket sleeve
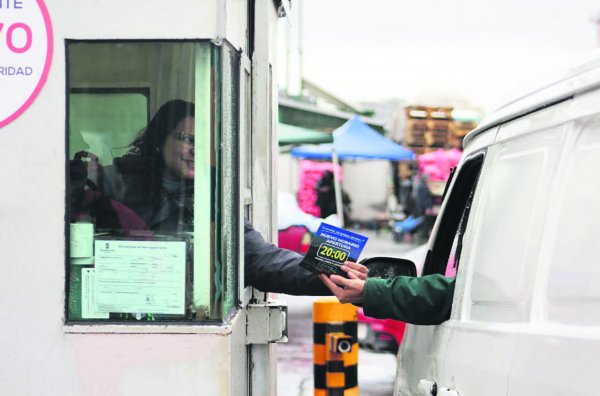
[426,300]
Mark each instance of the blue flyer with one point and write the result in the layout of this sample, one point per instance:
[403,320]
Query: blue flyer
[330,247]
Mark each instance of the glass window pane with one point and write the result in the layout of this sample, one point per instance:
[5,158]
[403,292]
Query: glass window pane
[142,203]
[573,294]
[206,190]
[454,223]
[508,234]
[105,121]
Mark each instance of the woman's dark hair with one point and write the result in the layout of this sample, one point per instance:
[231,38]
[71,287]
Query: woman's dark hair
[145,155]
[151,140]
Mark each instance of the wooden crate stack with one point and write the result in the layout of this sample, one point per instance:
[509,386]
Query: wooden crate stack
[458,130]
[431,128]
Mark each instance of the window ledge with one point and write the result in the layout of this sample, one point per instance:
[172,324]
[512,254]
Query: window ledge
[222,329]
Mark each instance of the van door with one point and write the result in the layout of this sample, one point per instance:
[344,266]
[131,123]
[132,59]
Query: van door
[421,358]
[559,355]
[495,280]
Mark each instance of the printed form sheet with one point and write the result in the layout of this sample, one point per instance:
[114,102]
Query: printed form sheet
[140,276]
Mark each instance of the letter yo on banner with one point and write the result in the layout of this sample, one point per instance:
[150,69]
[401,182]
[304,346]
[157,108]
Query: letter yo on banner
[26,44]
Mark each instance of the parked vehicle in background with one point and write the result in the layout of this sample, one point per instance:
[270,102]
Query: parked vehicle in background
[379,335]
[519,228]
[296,238]
[295,227]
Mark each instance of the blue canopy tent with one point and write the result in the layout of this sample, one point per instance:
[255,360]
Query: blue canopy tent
[354,140]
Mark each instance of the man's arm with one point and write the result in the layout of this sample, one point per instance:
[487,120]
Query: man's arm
[272,269]
[426,300]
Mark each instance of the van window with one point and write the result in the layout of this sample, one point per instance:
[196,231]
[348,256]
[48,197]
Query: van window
[574,276]
[510,221]
[457,243]
[146,183]
[447,247]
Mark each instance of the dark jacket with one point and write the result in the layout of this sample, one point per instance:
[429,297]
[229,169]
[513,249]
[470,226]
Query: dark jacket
[421,196]
[165,211]
[426,300]
[269,268]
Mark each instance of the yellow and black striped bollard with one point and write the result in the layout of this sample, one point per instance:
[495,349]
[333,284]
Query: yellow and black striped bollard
[335,348]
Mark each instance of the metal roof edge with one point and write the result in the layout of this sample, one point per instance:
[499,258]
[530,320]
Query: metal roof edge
[576,80]
[290,102]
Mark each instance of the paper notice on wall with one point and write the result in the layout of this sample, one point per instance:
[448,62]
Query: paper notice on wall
[89,308]
[82,240]
[140,276]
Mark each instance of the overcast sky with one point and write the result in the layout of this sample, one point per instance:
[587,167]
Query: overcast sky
[463,52]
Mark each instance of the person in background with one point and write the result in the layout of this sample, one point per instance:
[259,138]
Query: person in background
[326,201]
[423,198]
[326,194]
[418,209]
[426,300]
[421,195]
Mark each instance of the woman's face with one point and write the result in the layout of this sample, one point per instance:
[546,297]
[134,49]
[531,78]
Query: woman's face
[178,151]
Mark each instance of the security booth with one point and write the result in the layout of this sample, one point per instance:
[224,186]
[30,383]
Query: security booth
[135,136]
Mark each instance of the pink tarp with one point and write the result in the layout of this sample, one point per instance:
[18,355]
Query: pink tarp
[437,164]
[310,173]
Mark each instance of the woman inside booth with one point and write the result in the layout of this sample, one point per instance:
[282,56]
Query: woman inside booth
[155,180]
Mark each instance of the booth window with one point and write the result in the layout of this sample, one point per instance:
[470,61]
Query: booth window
[146,183]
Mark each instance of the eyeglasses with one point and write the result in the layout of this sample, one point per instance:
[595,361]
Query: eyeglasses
[186,139]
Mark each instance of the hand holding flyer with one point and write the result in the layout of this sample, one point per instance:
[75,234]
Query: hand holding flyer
[330,248]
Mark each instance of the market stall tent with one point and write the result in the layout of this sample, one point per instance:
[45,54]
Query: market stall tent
[354,140]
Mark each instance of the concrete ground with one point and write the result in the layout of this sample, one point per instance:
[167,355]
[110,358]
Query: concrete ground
[376,371]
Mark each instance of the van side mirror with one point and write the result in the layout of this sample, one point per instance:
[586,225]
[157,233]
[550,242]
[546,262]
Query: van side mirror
[389,267]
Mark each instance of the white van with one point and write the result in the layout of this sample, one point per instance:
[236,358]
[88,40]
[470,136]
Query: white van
[521,224]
